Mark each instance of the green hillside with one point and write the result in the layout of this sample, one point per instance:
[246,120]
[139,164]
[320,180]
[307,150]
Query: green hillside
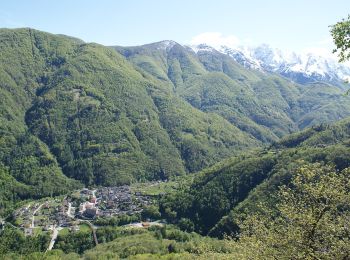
[70,109]
[218,196]
[77,114]
[265,105]
[28,168]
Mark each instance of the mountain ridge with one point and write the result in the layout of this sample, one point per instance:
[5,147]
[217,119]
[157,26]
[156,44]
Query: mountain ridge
[75,113]
[301,68]
[240,184]
[207,64]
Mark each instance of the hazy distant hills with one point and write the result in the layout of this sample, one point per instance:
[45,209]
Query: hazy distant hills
[76,114]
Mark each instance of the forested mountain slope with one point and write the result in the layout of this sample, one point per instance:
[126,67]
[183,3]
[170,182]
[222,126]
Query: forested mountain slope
[75,113]
[221,195]
[27,167]
[265,105]
[83,111]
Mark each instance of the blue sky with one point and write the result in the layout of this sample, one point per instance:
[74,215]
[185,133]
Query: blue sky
[292,25]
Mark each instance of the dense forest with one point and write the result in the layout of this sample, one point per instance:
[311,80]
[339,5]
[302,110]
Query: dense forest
[236,186]
[260,163]
[73,111]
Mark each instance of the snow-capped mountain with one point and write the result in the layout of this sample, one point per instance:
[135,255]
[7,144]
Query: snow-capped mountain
[202,47]
[166,44]
[302,68]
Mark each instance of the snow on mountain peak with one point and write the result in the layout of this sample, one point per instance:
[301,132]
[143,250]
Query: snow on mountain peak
[201,47]
[301,67]
[166,44]
[311,65]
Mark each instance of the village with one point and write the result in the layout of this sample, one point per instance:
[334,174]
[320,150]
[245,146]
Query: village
[108,202]
[81,206]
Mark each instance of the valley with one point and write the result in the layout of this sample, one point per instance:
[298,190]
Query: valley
[169,151]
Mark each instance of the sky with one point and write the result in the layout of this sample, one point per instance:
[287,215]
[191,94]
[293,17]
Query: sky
[294,25]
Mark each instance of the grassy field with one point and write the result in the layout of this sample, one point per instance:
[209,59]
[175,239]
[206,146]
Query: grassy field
[64,231]
[157,188]
[84,227]
[38,231]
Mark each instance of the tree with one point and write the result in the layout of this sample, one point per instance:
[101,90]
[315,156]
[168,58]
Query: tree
[312,219]
[341,37]
[186,224]
[151,212]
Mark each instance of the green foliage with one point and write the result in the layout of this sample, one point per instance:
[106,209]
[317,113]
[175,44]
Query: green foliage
[340,33]
[151,212]
[156,242]
[311,219]
[75,242]
[117,220]
[219,195]
[318,136]
[83,111]
[75,111]
[151,244]
[213,194]
[186,224]
[14,241]
[27,166]
[265,106]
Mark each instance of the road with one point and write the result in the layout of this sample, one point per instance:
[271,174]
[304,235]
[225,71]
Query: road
[53,238]
[34,212]
[141,224]
[69,210]
[93,229]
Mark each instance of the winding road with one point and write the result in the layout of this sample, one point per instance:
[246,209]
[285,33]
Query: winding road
[93,229]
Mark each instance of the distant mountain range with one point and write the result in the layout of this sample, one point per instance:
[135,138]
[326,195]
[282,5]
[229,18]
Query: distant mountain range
[301,68]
